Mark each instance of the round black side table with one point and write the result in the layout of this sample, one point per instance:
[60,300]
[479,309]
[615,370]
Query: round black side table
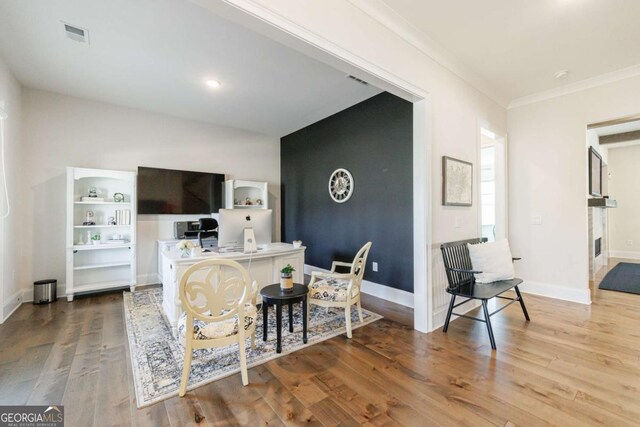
[273,295]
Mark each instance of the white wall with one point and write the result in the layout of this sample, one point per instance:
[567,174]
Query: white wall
[60,131]
[10,227]
[624,221]
[548,178]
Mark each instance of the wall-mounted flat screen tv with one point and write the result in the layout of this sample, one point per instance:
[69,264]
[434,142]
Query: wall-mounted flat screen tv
[595,173]
[168,191]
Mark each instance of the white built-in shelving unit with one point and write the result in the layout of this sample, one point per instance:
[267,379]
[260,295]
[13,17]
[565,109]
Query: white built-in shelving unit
[110,262]
[237,192]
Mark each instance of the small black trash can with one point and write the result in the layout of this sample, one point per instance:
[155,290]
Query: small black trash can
[45,291]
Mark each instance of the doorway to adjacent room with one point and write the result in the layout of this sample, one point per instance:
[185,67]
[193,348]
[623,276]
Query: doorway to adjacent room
[493,187]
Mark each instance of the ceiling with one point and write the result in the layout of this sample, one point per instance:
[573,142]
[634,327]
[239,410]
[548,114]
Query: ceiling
[518,45]
[156,55]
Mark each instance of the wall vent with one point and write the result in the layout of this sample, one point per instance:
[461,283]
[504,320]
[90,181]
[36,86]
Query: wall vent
[75,33]
[358,80]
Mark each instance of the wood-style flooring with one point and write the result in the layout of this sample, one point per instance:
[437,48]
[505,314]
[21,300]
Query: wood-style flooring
[572,365]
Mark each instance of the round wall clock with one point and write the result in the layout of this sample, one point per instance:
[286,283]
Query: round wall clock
[341,185]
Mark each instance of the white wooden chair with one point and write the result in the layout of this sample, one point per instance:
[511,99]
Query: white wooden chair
[214,295]
[339,290]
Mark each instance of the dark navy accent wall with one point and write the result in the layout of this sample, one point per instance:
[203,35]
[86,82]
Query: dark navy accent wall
[374,141]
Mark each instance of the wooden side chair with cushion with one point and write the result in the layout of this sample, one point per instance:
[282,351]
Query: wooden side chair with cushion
[340,290]
[462,283]
[215,294]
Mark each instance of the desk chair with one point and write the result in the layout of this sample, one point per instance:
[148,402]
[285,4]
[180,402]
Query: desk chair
[219,301]
[208,227]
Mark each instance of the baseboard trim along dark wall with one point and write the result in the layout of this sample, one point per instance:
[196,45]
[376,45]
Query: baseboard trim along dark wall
[374,141]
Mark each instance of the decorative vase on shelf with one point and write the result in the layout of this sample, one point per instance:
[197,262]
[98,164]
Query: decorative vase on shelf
[185,252]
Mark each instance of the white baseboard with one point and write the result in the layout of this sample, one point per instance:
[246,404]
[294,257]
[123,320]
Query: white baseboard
[624,254]
[581,296]
[440,315]
[10,307]
[147,279]
[387,293]
[26,295]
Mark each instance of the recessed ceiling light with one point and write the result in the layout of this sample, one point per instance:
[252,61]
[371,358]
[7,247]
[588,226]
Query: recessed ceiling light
[212,83]
[561,75]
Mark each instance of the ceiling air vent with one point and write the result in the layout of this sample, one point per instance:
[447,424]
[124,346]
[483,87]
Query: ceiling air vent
[358,80]
[76,33]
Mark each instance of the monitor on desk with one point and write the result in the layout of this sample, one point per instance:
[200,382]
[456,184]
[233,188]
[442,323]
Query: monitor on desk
[232,223]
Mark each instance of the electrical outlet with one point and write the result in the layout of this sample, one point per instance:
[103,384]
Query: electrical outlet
[629,242]
[456,222]
[375,266]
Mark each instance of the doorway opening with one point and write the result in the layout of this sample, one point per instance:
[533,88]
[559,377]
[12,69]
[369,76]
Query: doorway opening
[493,191]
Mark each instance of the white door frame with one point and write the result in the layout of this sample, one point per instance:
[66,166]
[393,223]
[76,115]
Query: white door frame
[276,26]
[500,139]
[3,221]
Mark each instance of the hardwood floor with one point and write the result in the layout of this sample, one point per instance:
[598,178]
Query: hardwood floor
[571,365]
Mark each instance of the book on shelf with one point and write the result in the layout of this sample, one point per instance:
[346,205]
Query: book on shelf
[123,217]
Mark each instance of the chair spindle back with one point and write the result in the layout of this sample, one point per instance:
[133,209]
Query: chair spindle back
[360,261]
[455,255]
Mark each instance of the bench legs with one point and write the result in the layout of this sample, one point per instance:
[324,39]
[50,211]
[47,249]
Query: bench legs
[487,315]
[524,309]
[488,322]
[446,321]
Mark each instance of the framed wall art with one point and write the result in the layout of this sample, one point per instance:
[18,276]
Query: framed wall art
[457,182]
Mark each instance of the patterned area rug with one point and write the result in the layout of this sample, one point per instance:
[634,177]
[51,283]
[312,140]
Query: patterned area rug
[157,356]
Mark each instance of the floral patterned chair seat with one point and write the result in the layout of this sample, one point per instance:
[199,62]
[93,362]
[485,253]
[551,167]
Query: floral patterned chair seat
[331,290]
[204,330]
[214,294]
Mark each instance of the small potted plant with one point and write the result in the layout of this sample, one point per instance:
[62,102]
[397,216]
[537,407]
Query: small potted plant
[95,239]
[286,278]
[185,247]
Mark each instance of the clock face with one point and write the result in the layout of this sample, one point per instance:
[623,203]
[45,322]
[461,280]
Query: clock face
[341,185]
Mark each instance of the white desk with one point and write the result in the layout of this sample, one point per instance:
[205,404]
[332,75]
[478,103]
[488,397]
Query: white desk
[265,269]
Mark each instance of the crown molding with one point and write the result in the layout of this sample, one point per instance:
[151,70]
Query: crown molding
[379,11]
[579,86]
